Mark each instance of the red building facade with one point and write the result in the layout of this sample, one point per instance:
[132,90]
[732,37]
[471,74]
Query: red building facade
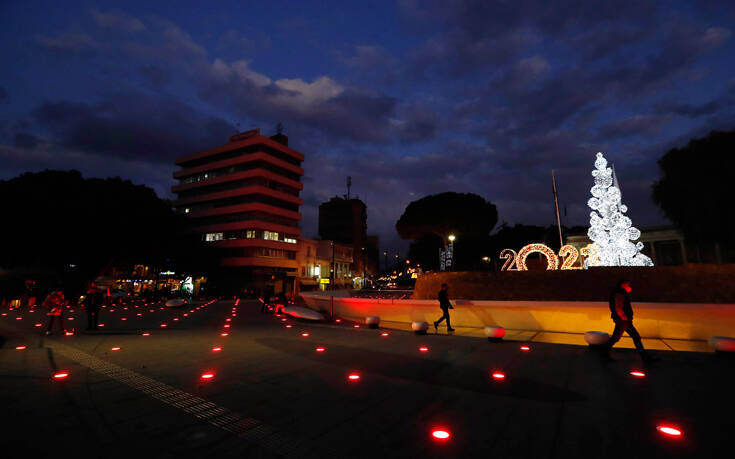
[243,198]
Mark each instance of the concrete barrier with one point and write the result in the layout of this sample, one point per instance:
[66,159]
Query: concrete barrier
[690,321]
[495,333]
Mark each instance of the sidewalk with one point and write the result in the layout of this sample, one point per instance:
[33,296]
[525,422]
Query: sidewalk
[563,338]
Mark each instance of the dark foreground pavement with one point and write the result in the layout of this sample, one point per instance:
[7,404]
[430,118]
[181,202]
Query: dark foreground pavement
[273,395]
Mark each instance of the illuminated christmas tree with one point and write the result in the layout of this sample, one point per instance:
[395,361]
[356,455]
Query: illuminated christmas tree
[610,230]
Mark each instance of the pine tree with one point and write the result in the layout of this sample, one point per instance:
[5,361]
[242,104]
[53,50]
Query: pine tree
[610,230]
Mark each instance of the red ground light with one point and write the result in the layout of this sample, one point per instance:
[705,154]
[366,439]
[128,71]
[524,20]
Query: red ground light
[638,374]
[304,334]
[424,349]
[440,434]
[353,377]
[39,325]
[525,348]
[289,326]
[207,376]
[669,431]
[498,375]
[116,348]
[227,325]
[384,334]
[320,349]
[356,326]
[216,349]
[338,320]
[19,348]
[224,334]
[146,334]
[164,325]
[60,375]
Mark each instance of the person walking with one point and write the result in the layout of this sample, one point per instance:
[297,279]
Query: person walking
[445,306]
[92,303]
[621,313]
[55,304]
[266,299]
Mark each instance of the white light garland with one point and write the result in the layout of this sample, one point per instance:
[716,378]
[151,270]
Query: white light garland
[610,230]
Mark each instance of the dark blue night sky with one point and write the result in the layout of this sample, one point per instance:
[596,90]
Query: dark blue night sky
[409,97]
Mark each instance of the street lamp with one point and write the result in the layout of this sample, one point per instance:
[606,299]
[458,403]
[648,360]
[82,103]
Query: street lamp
[450,251]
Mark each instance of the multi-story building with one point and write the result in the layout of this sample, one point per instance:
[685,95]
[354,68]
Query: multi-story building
[315,259]
[243,198]
[345,221]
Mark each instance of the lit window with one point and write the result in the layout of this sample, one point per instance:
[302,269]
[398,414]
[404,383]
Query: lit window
[270,235]
[209,237]
[250,234]
[289,240]
[187,210]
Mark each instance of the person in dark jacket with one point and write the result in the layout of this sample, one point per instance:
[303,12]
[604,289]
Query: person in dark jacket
[445,306]
[93,303]
[621,313]
[54,302]
[266,299]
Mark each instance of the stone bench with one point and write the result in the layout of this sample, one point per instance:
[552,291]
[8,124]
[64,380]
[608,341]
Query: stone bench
[722,343]
[495,334]
[372,321]
[420,327]
[596,339]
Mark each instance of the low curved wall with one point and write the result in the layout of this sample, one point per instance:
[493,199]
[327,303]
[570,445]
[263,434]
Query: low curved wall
[653,320]
[693,283]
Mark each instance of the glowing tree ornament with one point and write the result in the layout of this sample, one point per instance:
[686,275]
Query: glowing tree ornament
[610,230]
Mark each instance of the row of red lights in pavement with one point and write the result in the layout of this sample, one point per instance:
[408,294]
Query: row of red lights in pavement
[440,434]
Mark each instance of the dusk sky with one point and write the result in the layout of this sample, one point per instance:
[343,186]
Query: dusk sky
[408,97]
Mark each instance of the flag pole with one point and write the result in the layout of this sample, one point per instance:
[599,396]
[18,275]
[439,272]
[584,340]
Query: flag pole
[556,206]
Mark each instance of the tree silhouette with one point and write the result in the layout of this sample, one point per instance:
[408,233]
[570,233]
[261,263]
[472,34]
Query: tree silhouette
[695,188]
[54,220]
[430,220]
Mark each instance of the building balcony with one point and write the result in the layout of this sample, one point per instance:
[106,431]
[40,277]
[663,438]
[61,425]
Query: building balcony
[249,207]
[253,173]
[249,224]
[255,189]
[255,140]
[242,159]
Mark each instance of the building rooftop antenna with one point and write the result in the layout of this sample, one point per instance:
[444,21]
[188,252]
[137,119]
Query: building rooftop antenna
[349,185]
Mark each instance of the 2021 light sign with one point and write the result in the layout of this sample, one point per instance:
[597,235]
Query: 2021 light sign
[568,253]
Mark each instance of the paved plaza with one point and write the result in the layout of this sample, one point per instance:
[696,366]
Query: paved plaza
[276,387]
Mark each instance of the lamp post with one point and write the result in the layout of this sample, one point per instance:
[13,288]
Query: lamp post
[364,270]
[333,273]
[385,254]
[486,261]
[450,252]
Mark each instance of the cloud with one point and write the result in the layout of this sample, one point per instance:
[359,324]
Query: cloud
[117,20]
[322,104]
[156,77]
[244,43]
[690,110]
[637,125]
[18,160]
[70,43]
[132,125]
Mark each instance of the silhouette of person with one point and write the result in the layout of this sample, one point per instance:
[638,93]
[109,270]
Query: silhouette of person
[93,303]
[445,306]
[621,313]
